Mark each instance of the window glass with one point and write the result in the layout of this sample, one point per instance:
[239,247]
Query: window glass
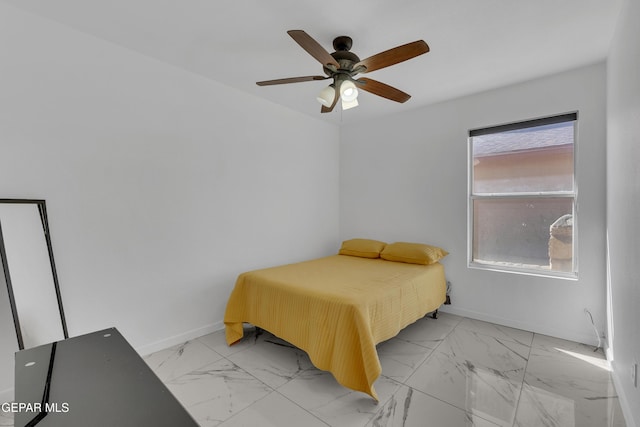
[522,198]
[525,160]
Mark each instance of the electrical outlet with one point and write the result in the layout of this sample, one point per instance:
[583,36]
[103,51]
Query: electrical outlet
[634,374]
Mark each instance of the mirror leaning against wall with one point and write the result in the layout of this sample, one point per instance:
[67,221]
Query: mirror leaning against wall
[29,273]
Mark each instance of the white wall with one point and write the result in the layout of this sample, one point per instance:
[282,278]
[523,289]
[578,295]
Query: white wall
[404,177]
[161,186]
[623,204]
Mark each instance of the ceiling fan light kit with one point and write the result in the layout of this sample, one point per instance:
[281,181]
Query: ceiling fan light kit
[342,66]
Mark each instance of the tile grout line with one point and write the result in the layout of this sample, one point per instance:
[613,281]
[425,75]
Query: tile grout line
[273,389]
[304,409]
[433,350]
[222,357]
[524,375]
[424,362]
[450,404]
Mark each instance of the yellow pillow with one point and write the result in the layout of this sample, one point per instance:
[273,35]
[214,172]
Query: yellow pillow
[364,248]
[413,253]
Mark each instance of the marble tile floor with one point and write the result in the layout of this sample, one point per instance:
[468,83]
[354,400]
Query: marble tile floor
[6,419]
[445,372]
[450,371]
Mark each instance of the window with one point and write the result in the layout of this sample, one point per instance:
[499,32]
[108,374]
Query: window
[522,197]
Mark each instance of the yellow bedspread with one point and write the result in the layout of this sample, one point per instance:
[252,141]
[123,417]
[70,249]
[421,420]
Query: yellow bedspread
[336,309]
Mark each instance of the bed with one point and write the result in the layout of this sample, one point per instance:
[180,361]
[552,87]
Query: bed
[337,308]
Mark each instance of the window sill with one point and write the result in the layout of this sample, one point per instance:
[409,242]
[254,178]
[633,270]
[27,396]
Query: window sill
[523,270]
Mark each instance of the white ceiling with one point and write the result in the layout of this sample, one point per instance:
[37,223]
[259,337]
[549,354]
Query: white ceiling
[475,44]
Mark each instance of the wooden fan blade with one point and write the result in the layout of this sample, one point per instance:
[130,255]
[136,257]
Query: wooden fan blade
[394,56]
[313,47]
[291,80]
[335,99]
[381,89]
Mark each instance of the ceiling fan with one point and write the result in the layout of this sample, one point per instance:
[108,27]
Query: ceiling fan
[342,66]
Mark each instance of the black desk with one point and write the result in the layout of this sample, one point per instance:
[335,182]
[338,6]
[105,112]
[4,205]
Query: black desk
[95,380]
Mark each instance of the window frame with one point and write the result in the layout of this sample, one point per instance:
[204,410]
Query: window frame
[471,197]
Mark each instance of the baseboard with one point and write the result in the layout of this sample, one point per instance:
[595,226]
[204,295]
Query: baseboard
[179,339]
[622,397]
[607,352]
[6,395]
[556,332]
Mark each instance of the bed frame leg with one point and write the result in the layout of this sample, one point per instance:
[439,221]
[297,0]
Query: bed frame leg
[259,332]
[434,315]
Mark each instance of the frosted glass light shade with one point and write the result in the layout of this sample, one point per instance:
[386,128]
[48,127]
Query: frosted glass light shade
[349,104]
[348,91]
[326,95]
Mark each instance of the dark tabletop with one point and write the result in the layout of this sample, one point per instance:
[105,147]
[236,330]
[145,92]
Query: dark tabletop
[95,380]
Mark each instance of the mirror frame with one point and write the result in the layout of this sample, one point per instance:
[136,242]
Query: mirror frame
[42,209]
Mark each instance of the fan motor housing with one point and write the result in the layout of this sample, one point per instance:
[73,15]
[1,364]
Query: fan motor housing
[345,55]
[342,45]
[346,59]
